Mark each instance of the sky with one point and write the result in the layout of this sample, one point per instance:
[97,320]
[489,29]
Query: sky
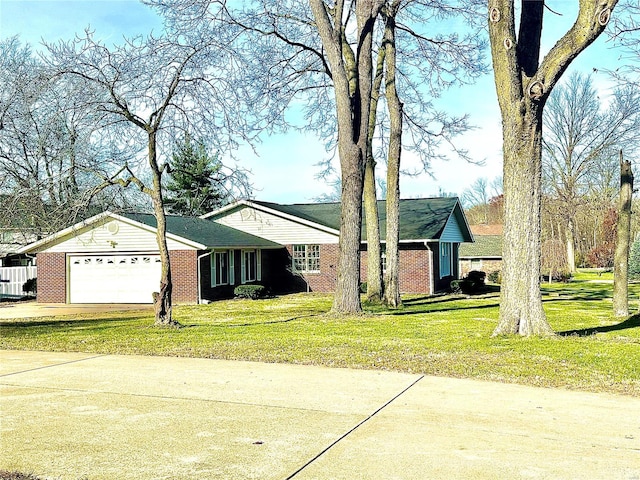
[283,168]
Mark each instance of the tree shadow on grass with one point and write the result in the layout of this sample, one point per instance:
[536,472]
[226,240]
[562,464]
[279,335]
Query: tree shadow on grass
[631,322]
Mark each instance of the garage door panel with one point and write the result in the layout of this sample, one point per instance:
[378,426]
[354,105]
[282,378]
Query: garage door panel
[114,278]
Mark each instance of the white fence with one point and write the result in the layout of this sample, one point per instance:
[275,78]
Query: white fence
[12,279]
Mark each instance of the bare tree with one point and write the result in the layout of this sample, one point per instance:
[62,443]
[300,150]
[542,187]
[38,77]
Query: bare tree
[523,84]
[623,243]
[581,139]
[49,140]
[152,89]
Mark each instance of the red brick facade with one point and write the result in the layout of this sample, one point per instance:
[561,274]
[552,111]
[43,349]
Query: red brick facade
[325,280]
[184,275]
[415,269]
[52,277]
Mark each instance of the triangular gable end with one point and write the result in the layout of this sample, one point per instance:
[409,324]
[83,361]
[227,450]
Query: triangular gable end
[456,230]
[273,225]
[107,231]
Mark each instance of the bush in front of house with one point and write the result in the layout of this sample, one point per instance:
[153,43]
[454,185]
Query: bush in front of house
[472,283]
[251,292]
[495,276]
[30,286]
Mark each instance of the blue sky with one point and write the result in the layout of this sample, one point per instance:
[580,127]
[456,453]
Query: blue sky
[284,168]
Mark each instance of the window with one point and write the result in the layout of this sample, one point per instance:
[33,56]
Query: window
[220,268]
[250,265]
[306,258]
[476,264]
[445,259]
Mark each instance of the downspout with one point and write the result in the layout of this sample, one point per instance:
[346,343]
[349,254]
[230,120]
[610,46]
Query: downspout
[200,257]
[431,272]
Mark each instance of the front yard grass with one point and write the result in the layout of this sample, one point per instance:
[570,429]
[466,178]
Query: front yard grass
[443,335]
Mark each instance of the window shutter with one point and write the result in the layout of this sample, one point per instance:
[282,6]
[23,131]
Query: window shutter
[243,266]
[232,270]
[259,265]
[213,269]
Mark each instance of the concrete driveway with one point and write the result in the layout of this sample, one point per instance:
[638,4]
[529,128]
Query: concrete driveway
[75,415]
[19,310]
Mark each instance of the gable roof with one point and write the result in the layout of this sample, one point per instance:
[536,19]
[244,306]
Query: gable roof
[420,219]
[205,232]
[192,231]
[485,246]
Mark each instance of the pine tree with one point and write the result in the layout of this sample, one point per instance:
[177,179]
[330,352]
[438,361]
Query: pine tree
[634,260]
[196,184]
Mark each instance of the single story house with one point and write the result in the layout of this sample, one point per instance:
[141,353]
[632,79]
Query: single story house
[485,253]
[114,258]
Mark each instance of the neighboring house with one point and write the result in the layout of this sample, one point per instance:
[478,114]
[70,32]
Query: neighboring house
[12,240]
[113,258]
[485,254]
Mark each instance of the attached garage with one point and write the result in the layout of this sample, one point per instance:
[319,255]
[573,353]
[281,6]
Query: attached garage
[113,278]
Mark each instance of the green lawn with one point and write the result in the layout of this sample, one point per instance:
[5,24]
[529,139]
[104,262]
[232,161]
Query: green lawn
[444,335]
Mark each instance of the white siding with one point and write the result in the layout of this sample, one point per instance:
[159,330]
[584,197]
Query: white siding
[13,278]
[274,228]
[112,235]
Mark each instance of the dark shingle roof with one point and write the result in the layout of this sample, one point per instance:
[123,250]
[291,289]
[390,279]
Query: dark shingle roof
[484,246]
[420,219]
[205,232]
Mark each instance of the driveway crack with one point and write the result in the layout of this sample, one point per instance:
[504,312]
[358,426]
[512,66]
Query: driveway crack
[346,434]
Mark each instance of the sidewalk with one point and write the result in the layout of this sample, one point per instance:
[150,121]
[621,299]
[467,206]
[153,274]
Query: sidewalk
[71,416]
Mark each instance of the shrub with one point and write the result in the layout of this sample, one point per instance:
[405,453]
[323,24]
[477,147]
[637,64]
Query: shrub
[363,287]
[495,277]
[252,292]
[31,285]
[454,286]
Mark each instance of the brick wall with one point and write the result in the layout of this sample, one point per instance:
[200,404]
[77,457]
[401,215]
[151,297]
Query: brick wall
[325,281]
[52,277]
[415,268]
[184,274]
[488,266]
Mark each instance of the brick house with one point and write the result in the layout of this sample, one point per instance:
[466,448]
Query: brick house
[113,258]
[485,253]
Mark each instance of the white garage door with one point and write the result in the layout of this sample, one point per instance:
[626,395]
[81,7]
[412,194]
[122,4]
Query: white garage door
[114,278]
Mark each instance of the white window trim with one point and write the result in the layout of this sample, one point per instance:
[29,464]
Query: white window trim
[258,253]
[305,258]
[214,268]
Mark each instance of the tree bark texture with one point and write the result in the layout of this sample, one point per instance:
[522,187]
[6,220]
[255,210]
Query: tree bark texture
[523,84]
[392,276]
[374,257]
[621,259]
[352,90]
[162,299]
[374,253]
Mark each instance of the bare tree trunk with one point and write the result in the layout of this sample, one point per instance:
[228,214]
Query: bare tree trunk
[162,299]
[621,261]
[352,81]
[571,242]
[392,277]
[521,309]
[374,258]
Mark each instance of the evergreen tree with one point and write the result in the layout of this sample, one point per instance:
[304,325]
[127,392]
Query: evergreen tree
[196,184]
[634,260]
